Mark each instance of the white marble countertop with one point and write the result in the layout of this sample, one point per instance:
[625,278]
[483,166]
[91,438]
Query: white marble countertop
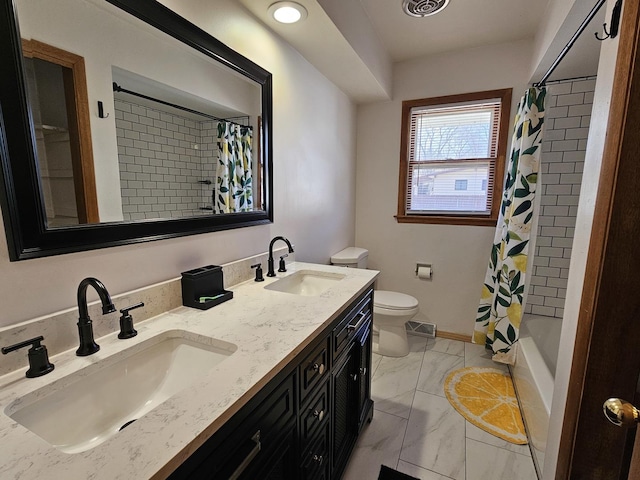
[270,328]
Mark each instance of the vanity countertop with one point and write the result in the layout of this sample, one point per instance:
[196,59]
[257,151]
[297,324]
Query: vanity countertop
[269,327]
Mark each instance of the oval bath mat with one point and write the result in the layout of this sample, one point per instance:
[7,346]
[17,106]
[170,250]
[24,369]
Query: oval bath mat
[486,398]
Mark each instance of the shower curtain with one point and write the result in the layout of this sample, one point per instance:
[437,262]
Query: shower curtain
[234,185]
[500,311]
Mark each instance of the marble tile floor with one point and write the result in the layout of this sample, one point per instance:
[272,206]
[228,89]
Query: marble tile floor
[416,431]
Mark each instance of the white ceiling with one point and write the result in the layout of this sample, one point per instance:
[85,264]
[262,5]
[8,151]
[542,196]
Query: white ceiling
[462,24]
[324,45]
[355,43]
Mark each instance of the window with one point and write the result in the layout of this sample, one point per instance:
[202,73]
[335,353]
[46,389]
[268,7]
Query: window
[461,184]
[452,158]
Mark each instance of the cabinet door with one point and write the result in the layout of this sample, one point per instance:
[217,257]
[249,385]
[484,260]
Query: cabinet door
[345,409]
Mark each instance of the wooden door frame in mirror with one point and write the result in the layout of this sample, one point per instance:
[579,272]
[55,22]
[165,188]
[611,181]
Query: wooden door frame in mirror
[20,198]
[77,103]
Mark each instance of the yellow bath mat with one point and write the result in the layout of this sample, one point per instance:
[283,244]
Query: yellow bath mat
[485,397]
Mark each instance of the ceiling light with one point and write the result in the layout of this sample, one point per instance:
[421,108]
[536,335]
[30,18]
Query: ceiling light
[287,12]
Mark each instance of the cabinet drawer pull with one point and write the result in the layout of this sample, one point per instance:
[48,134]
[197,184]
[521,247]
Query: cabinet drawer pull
[318,414]
[354,326]
[354,377]
[318,459]
[319,368]
[363,371]
[252,454]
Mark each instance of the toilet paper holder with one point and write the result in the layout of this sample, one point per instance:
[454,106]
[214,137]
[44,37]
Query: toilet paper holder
[427,265]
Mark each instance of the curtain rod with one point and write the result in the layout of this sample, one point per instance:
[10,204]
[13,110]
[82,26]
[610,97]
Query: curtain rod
[570,43]
[118,88]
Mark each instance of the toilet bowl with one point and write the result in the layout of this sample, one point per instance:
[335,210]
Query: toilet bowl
[391,310]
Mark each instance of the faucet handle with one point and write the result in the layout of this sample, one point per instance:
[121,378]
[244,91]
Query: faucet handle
[258,267]
[39,363]
[282,267]
[126,322]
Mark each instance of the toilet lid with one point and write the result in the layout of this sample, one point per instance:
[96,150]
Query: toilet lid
[394,300]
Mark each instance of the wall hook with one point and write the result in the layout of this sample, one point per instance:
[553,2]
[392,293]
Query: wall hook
[101,111]
[606,34]
[615,22]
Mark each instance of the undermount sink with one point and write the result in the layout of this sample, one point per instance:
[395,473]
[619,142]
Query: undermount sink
[82,410]
[309,283]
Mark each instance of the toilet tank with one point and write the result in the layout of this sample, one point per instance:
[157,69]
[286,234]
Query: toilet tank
[353,257]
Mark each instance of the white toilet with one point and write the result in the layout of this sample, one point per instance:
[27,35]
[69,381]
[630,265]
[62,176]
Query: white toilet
[391,310]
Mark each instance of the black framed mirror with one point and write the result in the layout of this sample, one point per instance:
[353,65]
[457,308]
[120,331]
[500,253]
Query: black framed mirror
[25,193]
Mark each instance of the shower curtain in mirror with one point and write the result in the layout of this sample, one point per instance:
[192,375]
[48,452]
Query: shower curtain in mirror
[498,320]
[234,187]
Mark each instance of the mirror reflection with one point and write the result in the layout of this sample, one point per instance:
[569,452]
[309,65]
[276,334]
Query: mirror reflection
[131,124]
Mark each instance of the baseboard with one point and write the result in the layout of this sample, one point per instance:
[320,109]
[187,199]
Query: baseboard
[453,336]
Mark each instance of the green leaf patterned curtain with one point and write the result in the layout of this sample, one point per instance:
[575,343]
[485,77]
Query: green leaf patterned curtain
[234,187]
[498,321]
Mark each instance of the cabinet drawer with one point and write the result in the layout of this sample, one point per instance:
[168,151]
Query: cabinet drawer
[351,323]
[316,462]
[314,368]
[280,463]
[249,439]
[314,416]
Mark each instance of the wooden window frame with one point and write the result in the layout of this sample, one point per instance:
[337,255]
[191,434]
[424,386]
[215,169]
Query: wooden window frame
[454,219]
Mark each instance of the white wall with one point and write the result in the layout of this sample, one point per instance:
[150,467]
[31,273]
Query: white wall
[353,22]
[314,164]
[584,223]
[459,254]
[555,15]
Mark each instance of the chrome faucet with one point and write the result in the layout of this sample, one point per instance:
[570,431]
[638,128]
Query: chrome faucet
[270,262]
[85,326]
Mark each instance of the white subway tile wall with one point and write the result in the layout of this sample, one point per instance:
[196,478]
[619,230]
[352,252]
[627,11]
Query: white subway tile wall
[563,149]
[162,158]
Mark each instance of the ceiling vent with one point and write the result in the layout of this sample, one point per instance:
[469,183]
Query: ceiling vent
[423,8]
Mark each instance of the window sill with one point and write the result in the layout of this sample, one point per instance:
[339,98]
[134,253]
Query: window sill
[448,220]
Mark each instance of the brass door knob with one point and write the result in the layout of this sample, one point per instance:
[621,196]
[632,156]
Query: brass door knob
[621,413]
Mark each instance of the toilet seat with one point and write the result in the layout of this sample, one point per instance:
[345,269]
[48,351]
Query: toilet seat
[394,303]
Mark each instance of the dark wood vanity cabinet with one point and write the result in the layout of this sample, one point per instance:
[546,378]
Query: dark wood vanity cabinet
[304,423]
[351,396]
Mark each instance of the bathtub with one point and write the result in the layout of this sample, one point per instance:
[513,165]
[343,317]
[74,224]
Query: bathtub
[533,375]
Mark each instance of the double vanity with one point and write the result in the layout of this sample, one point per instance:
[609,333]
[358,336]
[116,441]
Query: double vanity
[272,384]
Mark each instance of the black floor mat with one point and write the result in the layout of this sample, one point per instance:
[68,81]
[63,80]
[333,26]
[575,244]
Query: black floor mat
[387,473]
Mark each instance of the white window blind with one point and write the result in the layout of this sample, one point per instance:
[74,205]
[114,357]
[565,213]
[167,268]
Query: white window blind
[450,146]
